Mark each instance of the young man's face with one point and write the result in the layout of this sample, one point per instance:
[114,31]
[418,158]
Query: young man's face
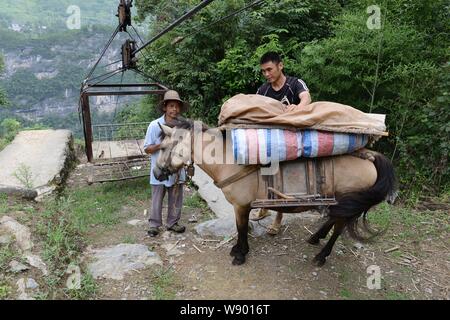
[272,71]
[172,109]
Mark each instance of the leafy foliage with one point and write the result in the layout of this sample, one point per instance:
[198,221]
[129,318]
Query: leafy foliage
[220,60]
[3,100]
[8,129]
[400,70]
[396,71]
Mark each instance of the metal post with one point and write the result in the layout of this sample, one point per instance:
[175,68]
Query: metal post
[87,126]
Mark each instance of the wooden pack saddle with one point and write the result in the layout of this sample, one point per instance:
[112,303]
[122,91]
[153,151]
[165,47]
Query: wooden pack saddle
[300,182]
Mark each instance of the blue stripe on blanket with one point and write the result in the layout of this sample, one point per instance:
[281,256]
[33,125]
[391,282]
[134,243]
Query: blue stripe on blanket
[307,148]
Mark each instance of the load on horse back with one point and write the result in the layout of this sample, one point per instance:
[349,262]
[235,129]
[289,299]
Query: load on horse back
[354,183]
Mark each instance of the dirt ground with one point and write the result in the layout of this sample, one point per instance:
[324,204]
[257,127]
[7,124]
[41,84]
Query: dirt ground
[277,267]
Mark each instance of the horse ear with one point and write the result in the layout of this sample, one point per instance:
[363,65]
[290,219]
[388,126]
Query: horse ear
[167,130]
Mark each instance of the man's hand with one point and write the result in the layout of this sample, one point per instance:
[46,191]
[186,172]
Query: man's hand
[152,148]
[291,107]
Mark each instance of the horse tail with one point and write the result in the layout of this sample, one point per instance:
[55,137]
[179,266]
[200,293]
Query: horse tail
[354,204]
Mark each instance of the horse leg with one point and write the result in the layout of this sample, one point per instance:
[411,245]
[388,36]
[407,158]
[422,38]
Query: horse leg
[322,232]
[274,228]
[339,226]
[240,249]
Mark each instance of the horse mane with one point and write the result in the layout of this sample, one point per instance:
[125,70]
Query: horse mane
[183,123]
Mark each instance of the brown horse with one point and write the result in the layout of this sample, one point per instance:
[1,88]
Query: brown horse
[359,184]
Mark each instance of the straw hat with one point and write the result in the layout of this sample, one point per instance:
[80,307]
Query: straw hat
[172,95]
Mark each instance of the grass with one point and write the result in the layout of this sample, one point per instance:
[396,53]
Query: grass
[65,220]
[345,293]
[4,206]
[5,290]
[394,295]
[195,201]
[410,223]
[61,225]
[24,176]
[163,285]
[9,205]
[62,242]
[88,288]
[344,276]
[7,253]
[129,239]
[102,204]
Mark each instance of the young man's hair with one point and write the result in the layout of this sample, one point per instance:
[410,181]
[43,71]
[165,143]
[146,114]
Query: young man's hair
[270,56]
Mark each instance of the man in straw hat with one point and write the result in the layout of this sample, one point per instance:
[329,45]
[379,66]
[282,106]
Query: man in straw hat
[171,107]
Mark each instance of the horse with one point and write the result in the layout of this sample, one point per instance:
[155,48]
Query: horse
[359,184]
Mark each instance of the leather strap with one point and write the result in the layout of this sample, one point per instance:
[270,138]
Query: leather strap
[237,176]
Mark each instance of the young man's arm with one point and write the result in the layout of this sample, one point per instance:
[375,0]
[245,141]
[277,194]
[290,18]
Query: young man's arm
[304,95]
[305,99]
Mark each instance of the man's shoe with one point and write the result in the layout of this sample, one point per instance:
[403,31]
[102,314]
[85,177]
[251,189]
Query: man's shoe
[177,228]
[153,232]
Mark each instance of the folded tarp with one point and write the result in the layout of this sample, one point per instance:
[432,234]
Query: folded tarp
[259,111]
[262,146]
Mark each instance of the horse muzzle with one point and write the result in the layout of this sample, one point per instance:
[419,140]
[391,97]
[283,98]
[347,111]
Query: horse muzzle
[161,174]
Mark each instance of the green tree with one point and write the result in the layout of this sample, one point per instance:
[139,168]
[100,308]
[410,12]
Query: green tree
[3,100]
[395,70]
[209,62]
[400,70]
[8,129]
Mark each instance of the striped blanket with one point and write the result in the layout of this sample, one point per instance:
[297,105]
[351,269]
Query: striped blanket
[262,146]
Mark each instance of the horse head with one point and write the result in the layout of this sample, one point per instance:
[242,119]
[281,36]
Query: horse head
[176,148]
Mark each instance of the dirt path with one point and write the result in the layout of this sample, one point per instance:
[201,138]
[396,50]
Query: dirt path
[277,267]
[280,267]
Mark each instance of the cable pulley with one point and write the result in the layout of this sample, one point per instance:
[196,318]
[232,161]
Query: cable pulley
[124,14]
[128,56]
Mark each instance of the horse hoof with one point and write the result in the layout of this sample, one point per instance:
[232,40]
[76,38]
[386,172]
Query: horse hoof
[237,261]
[234,251]
[313,241]
[319,261]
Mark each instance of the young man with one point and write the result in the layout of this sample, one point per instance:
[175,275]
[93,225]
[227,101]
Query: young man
[171,107]
[292,92]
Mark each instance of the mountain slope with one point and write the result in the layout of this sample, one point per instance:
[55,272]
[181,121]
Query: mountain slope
[32,14]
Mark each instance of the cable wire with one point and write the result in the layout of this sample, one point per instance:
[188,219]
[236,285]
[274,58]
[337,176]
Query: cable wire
[103,52]
[253,4]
